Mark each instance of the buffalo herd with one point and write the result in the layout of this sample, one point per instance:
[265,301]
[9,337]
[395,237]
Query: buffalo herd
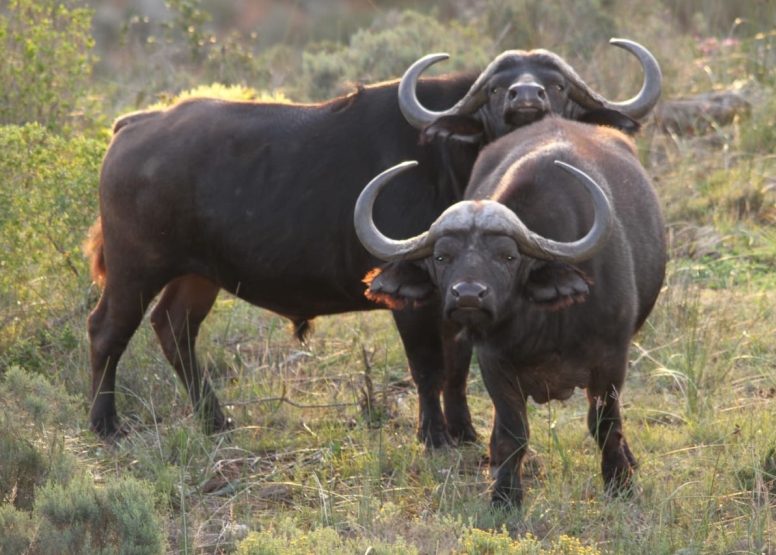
[536,238]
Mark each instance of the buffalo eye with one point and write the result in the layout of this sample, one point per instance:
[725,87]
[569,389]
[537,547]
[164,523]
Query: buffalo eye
[558,87]
[495,90]
[440,258]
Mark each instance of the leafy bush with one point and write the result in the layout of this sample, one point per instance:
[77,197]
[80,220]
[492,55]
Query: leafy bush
[48,501]
[118,518]
[386,50]
[287,539]
[576,26]
[48,200]
[46,48]
[16,530]
[33,413]
[479,542]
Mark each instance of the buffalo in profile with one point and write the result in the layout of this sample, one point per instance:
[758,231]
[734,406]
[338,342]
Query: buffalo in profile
[513,264]
[257,199]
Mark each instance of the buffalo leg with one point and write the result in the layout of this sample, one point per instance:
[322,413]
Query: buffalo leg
[605,425]
[176,318]
[458,354]
[420,331]
[509,438]
[111,325]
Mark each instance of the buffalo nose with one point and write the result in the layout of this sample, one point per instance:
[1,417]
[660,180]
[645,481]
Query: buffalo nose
[526,93]
[469,294]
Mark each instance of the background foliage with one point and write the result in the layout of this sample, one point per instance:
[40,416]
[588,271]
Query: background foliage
[313,466]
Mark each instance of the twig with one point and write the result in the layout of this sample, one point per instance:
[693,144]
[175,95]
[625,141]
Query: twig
[284,399]
[64,254]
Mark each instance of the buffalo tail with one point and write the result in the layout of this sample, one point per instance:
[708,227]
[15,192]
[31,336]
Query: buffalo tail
[93,249]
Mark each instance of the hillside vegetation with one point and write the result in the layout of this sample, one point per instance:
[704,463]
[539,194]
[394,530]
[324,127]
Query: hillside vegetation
[324,457]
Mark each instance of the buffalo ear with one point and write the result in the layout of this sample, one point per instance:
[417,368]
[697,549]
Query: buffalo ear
[555,285]
[458,128]
[611,118]
[398,284]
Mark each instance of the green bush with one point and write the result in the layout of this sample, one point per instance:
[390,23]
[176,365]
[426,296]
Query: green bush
[16,530]
[386,50]
[480,542]
[46,48]
[577,27]
[286,539]
[80,517]
[48,502]
[48,200]
[33,414]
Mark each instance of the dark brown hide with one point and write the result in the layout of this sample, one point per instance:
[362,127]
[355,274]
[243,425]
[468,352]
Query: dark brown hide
[257,199]
[501,296]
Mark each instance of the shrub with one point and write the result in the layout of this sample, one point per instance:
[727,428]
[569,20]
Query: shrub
[479,542]
[46,48]
[16,530]
[577,27]
[286,539]
[34,412]
[48,200]
[82,518]
[69,513]
[386,50]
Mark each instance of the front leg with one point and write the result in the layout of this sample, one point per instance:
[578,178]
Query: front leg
[605,425]
[509,439]
[458,354]
[420,330]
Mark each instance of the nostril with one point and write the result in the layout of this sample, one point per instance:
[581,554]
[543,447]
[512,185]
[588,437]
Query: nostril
[541,94]
[469,290]
[512,94]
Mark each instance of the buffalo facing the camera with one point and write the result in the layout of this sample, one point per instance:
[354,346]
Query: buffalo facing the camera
[550,266]
[257,199]
[520,87]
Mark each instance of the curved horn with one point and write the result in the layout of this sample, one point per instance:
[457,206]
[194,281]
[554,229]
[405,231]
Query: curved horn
[373,240]
[638,106]
[577,251]
[420,116]
[641,104]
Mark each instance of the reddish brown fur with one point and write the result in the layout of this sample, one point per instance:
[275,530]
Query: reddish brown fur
[390,301]
[93,249]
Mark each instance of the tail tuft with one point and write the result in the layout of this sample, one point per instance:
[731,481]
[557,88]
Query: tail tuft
[302,330]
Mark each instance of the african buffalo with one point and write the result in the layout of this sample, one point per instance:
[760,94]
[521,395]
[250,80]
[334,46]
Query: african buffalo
[513,263]
[257,199]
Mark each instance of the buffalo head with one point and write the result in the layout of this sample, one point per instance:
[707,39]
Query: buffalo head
[520,87]
[476,251]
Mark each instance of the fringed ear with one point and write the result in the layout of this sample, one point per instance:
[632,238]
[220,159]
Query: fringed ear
[611,118]
[458,128]
[398,284]
[556,285]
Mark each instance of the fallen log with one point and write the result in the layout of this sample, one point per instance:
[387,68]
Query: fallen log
[700,114]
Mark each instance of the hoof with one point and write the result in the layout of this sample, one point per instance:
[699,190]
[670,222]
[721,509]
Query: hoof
[467,435]
[436,439]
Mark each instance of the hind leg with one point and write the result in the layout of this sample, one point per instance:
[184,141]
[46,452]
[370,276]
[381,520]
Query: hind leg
[176,318]
[110,326]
